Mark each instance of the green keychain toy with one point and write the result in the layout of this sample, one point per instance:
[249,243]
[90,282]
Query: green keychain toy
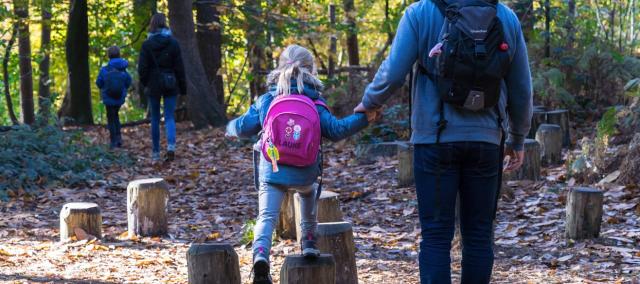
[274,155]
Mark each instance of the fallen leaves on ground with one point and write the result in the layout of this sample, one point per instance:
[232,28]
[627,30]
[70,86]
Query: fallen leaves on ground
[212,197]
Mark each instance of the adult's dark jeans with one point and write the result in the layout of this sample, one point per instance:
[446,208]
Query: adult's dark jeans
[471,170]
[113,124]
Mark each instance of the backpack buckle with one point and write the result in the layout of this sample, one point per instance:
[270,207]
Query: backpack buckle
[480,49]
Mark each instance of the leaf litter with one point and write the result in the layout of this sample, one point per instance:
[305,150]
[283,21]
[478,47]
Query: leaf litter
[212,198]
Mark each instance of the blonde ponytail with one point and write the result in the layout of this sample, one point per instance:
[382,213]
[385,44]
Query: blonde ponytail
[295,62]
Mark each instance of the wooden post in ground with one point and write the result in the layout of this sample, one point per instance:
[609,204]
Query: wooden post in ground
[550,138]
[213,264]
[328,210]
[300,270]
[584,213]
[337,239]
[80,215]
[405,164]
[286,228]
[530,169]
[561,118]
[147,201]
[539,117]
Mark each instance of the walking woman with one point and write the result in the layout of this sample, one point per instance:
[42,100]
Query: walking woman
[162,76]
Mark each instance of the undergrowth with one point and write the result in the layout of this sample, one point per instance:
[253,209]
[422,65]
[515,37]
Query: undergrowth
[34,158]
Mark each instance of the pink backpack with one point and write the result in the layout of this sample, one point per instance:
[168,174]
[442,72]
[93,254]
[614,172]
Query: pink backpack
[292,134]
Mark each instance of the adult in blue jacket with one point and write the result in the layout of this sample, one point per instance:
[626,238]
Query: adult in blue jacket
[466,161]
[112,104]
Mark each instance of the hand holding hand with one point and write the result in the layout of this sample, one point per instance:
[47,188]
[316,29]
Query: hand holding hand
[372,115]
[513,160]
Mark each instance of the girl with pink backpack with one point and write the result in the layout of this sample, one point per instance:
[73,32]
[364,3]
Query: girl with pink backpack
[292,118]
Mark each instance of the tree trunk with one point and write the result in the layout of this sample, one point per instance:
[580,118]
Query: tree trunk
[333,44]
[286,228]
[213,264]
[584,213]
[405,164]
[77,102]
[547,28]
[327,210]
[44,92]
[337,240]
[5,71]
[142,12]
[550,138]
[569,24]
[255,35]
[210,45]
[561,117]
[352,32]
[21,9]
[85,216]
[203,107]
[147,207]
[299,270]
[530,169]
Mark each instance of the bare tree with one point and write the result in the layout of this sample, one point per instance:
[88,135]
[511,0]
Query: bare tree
[77,101]
[44,92]
[5,71]
[209,34]
[203,107]
[21,8]
[352,33]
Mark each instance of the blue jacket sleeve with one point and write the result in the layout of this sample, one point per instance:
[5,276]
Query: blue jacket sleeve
[337,129]
[100,79]
[519,92]
[246,125]
[394,69]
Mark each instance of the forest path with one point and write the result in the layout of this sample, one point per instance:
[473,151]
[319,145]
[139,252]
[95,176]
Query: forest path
[212,196]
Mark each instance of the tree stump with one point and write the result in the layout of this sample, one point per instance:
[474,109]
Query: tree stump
[147,207]
[213,264]
[550,138]
[328,210]
[286,228]
[584,213]
[297,269]
[81,215]
[530,169]
[405,164]
[561,118]
[337,239]
[369,153]
[539,117]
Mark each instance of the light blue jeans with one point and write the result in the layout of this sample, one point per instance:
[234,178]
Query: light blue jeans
[169,121]
[270,198]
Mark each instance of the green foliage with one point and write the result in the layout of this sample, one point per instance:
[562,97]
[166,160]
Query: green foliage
[607,125]
[394,126]
[247,232]
[32,158]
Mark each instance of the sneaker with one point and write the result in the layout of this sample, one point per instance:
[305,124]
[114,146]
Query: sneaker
[261,273]
[155,156]
[171,155]
[309,249]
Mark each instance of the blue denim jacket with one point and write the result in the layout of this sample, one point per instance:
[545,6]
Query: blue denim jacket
[332,128]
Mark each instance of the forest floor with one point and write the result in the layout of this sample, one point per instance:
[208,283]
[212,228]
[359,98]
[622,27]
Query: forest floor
[212,196]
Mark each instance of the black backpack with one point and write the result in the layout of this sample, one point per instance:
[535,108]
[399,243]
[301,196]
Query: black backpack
[471,58]
[114,83]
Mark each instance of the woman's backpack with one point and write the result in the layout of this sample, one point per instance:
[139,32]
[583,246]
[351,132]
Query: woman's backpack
[291,131]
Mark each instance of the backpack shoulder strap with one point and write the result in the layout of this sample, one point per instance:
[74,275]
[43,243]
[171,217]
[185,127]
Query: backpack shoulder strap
[322,103]
[442,6]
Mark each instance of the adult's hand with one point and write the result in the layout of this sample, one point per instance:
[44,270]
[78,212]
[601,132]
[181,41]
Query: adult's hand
[372,115]
[513,160]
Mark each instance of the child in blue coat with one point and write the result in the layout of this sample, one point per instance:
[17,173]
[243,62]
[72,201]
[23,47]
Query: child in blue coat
[296,74]
[114,81]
